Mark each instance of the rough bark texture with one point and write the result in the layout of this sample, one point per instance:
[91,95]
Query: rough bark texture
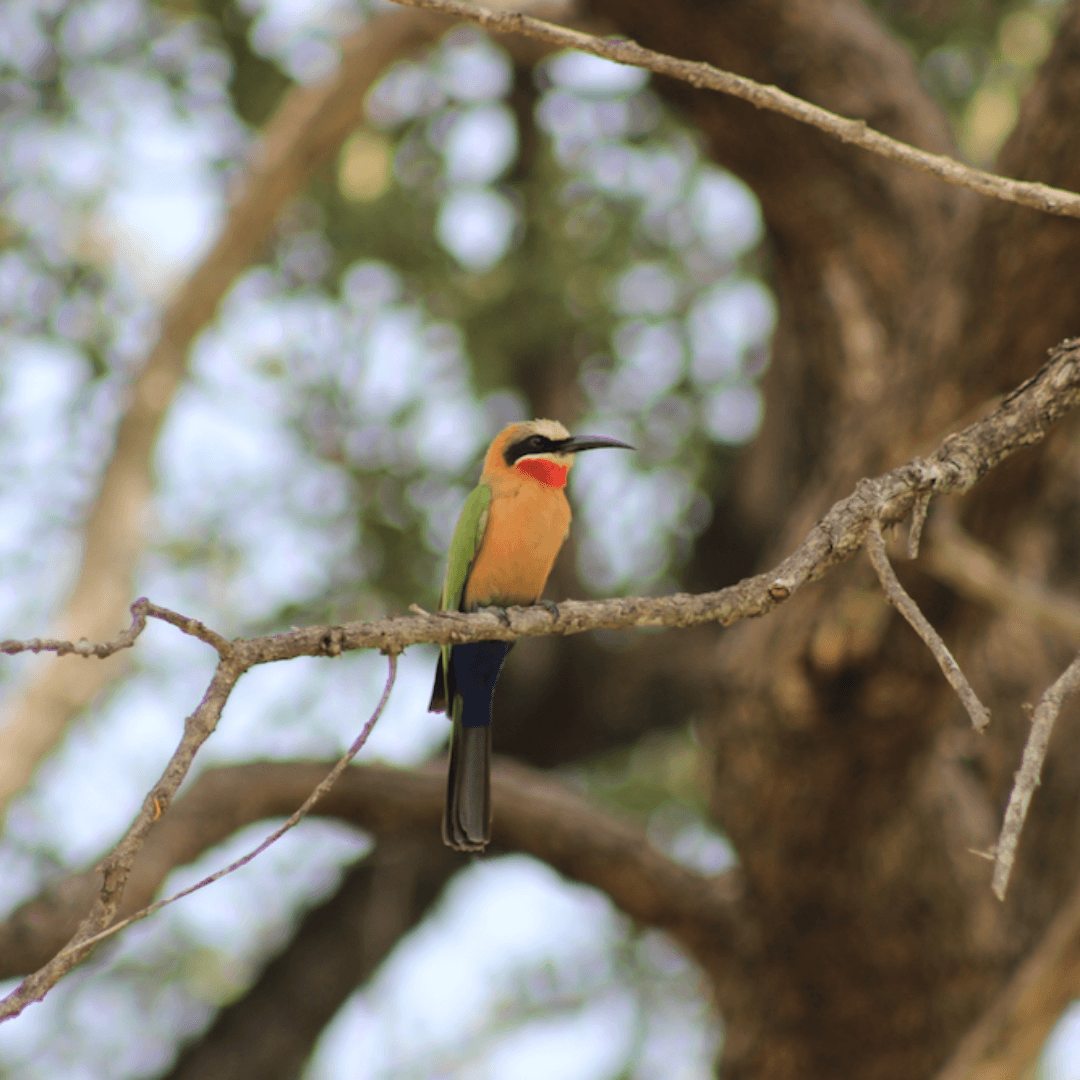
[843,773]
[868,941]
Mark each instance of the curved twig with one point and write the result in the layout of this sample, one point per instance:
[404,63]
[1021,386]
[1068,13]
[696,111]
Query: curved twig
[1021,418]
[1037,196]
[293,820]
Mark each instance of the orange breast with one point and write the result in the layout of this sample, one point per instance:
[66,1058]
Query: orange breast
[527,524]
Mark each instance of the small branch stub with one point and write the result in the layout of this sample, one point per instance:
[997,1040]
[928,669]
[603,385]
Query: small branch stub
[918,521]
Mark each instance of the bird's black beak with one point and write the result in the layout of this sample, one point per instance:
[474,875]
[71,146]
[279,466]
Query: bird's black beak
[576,443]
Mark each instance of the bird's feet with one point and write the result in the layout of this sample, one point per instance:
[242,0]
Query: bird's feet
[551,607]
[500,613]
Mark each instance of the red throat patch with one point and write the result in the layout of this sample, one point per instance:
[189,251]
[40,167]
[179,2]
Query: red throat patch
[543,469]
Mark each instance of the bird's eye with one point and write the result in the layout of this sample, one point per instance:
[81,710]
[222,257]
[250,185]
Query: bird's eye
[537,441]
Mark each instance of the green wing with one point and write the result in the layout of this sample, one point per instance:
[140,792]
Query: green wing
[464,546]
[468,534]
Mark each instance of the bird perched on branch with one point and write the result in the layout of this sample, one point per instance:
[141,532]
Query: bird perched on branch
[510,530]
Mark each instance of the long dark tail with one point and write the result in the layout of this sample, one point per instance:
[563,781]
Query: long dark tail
[467,818]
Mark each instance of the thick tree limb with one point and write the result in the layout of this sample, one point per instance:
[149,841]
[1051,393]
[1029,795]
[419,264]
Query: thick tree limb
[533,814]
[856,132]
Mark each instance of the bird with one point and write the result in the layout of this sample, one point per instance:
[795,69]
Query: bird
[504,545]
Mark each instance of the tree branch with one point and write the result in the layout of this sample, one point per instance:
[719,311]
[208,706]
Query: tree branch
[115,868]
[291,822]
[890,583]
[534,814]
[306,130]
[1027,779]
[702,75]
[976,572]
[117,865]
[1022,418]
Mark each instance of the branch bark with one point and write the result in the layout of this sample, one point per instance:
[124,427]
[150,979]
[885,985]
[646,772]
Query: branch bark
[705,76]
[307,129]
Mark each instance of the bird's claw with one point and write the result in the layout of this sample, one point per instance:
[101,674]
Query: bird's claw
[551,607]
[501,614]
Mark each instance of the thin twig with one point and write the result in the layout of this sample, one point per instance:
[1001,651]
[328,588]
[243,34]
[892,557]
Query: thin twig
[1020,419]
[875,548]
[140,610]
[1027,779]
[124,640]
[191,627]
[702,75]
[294,819]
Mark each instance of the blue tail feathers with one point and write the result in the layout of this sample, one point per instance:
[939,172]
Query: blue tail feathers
[476,670]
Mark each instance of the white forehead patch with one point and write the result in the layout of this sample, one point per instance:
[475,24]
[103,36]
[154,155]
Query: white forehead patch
[552,429]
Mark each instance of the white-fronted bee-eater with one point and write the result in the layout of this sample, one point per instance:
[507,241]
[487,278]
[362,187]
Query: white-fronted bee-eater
[510,530]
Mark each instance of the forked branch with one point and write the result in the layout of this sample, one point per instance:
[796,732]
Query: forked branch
[1022,418]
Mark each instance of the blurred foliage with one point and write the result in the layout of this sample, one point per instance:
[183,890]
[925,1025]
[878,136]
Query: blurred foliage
[977,57]
[491,243]
[538,323]
[257,83]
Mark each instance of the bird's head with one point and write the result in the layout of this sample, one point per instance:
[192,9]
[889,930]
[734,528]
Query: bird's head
[542,449]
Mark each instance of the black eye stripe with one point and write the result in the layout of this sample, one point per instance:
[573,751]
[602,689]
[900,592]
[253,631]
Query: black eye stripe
[533,444]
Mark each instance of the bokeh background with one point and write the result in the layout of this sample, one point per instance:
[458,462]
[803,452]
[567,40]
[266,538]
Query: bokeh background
[494,241]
